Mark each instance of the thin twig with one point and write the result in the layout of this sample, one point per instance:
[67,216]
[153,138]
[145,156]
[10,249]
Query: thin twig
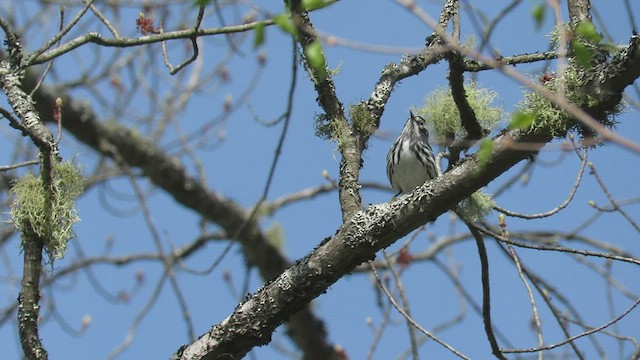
[50,64]
[613,202]
[133,328]
[409,319]
[56,39]
[194,45]
[19,165]
[104,20]
[558,208]
[166,262]
[559,248]
[95,38]
[486,290]
[405,303]
[532,300]
[573,338]
[378,332]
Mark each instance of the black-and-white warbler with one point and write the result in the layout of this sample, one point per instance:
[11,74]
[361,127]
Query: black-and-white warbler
[410,162]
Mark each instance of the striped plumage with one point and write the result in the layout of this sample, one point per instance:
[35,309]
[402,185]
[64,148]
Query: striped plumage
[410,162]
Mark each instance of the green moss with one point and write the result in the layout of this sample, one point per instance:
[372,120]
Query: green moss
[329,129]
[361,117]
[477,206]
[549,117]
[32,214]
[442,115]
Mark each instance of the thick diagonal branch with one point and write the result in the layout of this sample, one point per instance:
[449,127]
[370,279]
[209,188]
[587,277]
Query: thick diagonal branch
[356,241]
[306,329]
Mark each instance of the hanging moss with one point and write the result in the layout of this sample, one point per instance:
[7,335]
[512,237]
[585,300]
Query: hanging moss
[35,212]
[441,113]
[477,206]
[547,116]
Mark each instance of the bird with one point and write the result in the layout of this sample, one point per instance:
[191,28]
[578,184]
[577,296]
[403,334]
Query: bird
[410,161]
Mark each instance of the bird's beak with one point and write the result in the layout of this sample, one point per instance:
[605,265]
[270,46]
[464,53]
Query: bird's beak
[411,113]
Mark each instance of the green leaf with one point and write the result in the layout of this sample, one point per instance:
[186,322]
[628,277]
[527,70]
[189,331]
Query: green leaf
[284,22]
[521,120]
[587,31]
[259,35]
[486,146]
[538,14]
[202,2]
[315,58]
[310,5]
[582,54]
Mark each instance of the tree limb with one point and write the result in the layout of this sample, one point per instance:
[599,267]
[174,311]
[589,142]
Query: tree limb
[356,241]
[171,176]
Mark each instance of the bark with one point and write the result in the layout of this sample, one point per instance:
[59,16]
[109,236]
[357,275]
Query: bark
[29,297]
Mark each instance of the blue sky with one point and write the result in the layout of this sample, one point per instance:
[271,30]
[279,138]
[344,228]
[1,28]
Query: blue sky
[238,168]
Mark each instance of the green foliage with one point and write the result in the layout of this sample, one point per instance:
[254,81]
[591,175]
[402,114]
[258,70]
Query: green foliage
[521,120]
[538,13]
[441,112]
[585,30]
[283,21]
[48,213]
[582,54]
[310,5]
[585,44]
[258,38]
[486,146]
[584,41]
[315,58]
[329,129]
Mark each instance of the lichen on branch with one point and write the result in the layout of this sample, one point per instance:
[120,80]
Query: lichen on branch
[47,211]
[443,116]
[558,122]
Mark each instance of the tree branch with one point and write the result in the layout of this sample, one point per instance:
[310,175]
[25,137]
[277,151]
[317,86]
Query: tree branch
[171,176]
[96,38]
[355,242]
[346,134]
[12,71]
[486,290]
[579,10]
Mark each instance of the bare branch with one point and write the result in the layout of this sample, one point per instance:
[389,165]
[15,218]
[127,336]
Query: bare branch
[95,38]
[410,320]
